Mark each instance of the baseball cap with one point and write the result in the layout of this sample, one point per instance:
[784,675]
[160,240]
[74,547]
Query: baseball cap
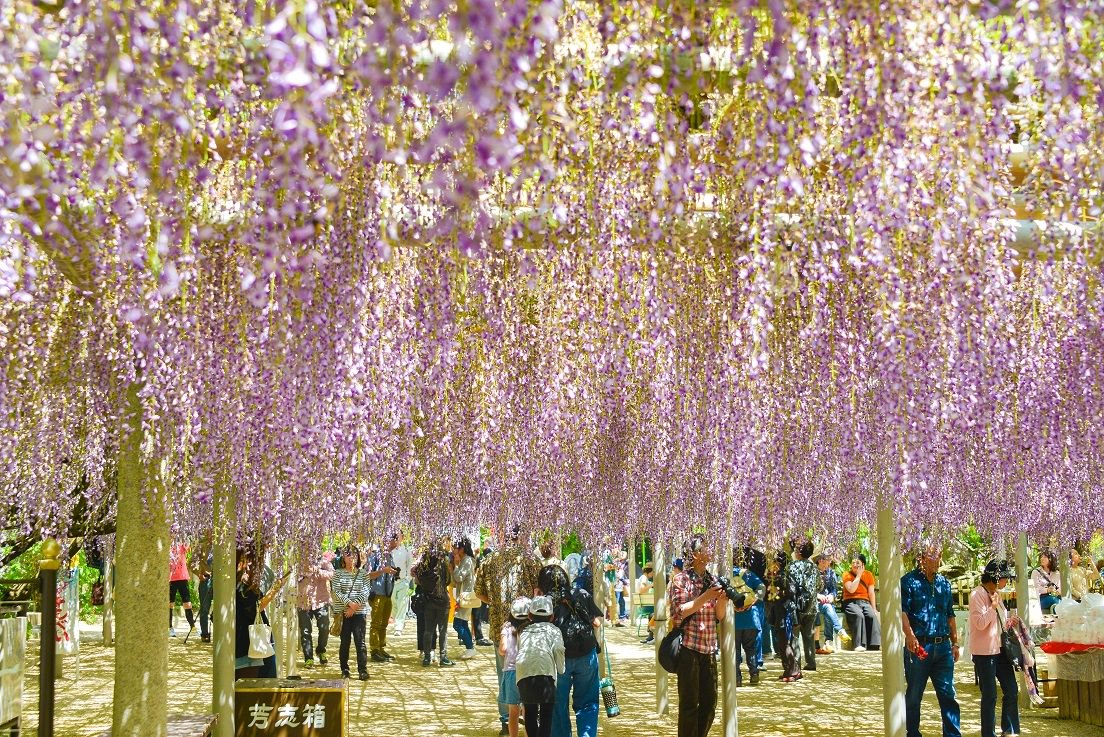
[540,606]
[520,608]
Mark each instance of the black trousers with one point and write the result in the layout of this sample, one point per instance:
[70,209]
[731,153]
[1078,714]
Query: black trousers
[785,645]
[352,628]
[746,650]
[697,690]
[435,633]
[806,622]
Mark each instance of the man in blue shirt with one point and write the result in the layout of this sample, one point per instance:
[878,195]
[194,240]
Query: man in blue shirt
[927,615]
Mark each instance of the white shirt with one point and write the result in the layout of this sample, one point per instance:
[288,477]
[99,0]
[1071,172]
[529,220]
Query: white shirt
[404,561]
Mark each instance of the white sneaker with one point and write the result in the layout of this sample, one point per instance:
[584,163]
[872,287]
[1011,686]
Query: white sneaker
[468,654]
[172,631]
[433,657]
[859,649]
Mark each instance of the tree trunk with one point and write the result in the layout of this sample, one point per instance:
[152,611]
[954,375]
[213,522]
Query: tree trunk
[141,591]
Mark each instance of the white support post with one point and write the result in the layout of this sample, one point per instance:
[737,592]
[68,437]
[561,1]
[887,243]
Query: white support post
[109,602]
[659,560]
[1023,600]
[890,570]
[729,720]
[225,541]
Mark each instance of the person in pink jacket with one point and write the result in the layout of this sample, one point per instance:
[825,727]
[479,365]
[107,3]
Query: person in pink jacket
[988,618]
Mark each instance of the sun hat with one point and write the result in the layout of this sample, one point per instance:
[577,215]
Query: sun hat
[520,608]
[540,606]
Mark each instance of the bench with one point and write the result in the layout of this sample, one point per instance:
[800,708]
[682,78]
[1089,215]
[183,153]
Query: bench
[187,726]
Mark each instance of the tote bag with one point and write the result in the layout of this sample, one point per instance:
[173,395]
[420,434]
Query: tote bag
[260,639]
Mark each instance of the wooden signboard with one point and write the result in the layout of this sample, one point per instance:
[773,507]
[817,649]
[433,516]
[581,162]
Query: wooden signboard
[280,707]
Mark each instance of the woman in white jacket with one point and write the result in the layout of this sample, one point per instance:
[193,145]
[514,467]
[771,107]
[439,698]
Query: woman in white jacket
[540,660]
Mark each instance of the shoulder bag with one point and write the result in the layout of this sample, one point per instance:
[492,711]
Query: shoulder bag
[1010,645]
[337,616]
[669,646]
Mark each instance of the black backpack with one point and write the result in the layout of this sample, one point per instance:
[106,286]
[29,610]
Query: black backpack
[576,628]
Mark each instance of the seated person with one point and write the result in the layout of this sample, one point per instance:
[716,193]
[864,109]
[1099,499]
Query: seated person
[1048,582]
[646,585]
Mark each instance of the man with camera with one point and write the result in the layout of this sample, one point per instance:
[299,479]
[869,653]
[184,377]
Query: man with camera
[698,602]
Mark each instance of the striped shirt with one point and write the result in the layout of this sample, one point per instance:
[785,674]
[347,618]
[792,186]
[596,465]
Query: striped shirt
[351,587]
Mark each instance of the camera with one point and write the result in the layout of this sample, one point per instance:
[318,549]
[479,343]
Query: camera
[726,586]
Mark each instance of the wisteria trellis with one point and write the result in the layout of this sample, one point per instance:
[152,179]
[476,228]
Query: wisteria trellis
[616,267]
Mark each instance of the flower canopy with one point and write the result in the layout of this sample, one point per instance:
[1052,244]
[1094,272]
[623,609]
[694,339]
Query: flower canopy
[613,267]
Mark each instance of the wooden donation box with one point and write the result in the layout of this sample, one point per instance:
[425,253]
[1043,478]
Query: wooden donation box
[282,707]
[1080,679]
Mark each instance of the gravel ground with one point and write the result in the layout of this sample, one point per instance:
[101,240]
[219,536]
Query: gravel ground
[843,698]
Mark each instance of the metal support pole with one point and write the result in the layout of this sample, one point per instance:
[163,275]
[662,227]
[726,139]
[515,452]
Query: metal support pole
[48,568]
[729,672]
[659,561]
[893,633]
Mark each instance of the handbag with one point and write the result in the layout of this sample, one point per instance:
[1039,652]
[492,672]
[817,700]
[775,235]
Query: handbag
[260,639]
[608,690]
[336,619]
[468,600]
[668,651]
[1010,645]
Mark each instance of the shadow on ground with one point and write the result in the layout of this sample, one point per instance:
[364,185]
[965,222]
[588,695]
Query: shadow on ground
[843,698]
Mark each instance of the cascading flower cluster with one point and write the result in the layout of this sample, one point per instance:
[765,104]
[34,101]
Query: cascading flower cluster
[611,267]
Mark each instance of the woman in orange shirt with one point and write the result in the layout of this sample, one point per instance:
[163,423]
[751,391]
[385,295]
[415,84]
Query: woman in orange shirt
[859,606]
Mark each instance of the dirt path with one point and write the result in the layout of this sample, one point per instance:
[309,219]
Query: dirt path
[404,698]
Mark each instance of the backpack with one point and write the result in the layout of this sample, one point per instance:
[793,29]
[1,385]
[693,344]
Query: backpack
[576,628]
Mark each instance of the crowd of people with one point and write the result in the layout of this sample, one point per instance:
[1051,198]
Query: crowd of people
[545,620]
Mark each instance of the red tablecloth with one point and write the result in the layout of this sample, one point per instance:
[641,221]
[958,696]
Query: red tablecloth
[1061,648]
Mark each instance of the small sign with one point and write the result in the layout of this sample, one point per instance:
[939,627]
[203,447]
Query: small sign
[280,707]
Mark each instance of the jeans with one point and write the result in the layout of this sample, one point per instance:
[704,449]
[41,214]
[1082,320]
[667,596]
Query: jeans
[764,643]
[829,620]
[622,608]
[865,629]
[697,690]
[435,634]
[206,591]
[503,709]
[400,603]
[353,628]
[806,622]
[463,632]
[321,618]
[381,612]
[746,642]
[582,676]
[1047,602]
[989,669]
[939,667]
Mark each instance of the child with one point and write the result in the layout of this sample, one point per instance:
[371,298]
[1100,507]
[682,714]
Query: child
[508,650]
[540,660]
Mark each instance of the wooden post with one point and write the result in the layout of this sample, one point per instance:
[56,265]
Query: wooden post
[141,589]
[890,570]
[727,634]
[660,597]
[224,606]
[48,568]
